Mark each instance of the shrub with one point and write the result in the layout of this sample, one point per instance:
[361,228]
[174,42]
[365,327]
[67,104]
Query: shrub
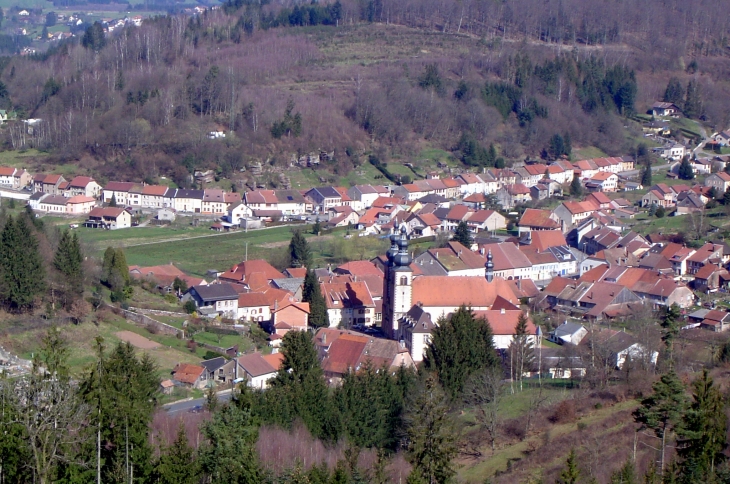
[565,412]
[192,346]
[189,306]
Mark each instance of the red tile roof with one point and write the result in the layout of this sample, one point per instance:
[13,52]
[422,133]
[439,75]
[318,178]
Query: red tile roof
[186,373]
[453,291]
[504,322]
[543,239]
[6,171]
[534,217]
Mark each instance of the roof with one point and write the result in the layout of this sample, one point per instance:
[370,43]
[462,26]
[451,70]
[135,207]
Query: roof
[213,364]
[340,295]
[326,192]
[261,196]
[255,365]
[458,212]
[252,299]
[109,212]
[52,179]
[216,292]
[344,353]
[81,199]
[80,181]
[359,268]
[242,271]
[296,272]
[534,217]
[579,207]
[187,373]
[114,186]
[517,189]
[185,193]
[6,171]
[506,255]
[543,239]
[504,322]
[707,270]
[157,190]
[55,200]
[454,291]
[481,216]
[275,360]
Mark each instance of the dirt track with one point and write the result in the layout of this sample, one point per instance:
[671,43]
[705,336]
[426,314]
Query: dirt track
[137,341]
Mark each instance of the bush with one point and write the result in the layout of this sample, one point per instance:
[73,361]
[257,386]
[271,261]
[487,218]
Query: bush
[192,346]
[565,412]
[189,306]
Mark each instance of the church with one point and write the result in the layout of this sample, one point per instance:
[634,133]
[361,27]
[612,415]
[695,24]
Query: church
[412,304]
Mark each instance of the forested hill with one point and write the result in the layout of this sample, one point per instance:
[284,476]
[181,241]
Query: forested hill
[356,76]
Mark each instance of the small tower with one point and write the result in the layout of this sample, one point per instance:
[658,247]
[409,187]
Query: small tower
[398,291]
[490,267]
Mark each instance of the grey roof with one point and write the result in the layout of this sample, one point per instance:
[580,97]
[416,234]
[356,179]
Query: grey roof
[567,329]
[56,200]
[441,212]
[215,292]
[433,198]
[289,196]
[185,193]
[699,314]
[429,266]
[37,196]
[213,364]
[327,192]
[291,284]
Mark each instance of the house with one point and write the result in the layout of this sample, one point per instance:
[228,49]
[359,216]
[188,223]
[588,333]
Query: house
[164,276]
[503,323]
[665,109]
[689,202]
[529,175]
[565,362]
[155,196]
[423,225]
[571,333]
[252,274]
[710,278]
[80,204]
[119,191]
[84,185]
[470,183]
[109,218]
[258,369]
[185,200]
[348,303]
[586,168]
[214,300]
[14,177]
[53,204]
[571,213]
[710,253]
[673,152]
[508,261]
[617,346]
[534,219]
[363,196]
[720,181]
[239,212]
[510,195]
[48,184]
[603,182]
[455,259]
[290,316]
[325,197]
[486,220]
[457,214]
[191,376]
[342,216]
[219,370]
[712,320]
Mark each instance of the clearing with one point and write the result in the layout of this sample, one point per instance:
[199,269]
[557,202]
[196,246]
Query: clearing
[138,341]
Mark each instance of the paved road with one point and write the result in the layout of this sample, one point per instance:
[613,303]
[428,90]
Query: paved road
[664,166]
[187,405]
[700,146]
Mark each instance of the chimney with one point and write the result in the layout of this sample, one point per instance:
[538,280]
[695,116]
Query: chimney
[501,311]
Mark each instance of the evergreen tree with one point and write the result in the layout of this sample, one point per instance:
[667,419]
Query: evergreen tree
[177,463]
[229,455]
[646,176]
[570,473]
[312,293]
[94,37]
[576,187]
[317,227]
[670,327]
[459,347]
[674,93]
[462,235]
[726,196]
[521,349]
[106,266]
[22,271]
[121,391]
[179,285]
[431,434]
[693,101]
[113,201]
[703,431]
[301,255]
[685,169]
[557,147]
[69,262]
[662,410]
[660,211]
[625,475]
[568,145]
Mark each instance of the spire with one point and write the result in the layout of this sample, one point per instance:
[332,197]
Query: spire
[403,257]
[490,266]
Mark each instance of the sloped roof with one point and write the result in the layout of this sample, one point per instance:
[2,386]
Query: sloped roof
[340,295]
[450,291]
[115,186]
[187,373]
[543,239]
[255,365]
[240,272]
[506,255]
[344,353]
[533,217]
[504,322]
[359,268]
[111,212]
[80,181]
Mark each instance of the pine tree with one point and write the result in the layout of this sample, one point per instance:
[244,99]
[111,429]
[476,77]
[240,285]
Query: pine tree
[106,266]
[662,410]
[570,473]
[301,255]
[660,211]
[685,170]
[459,347]
[693,100]
[670,327]
[177,463]
[22,270]
[317,227]
[68,261]
[674,92]
[462,235]
[113,201]
[312,293]
[521,349]
[646,176]
[431,434]
[703,430]
[229,455]
[576,187]
[726,196]
[625,475]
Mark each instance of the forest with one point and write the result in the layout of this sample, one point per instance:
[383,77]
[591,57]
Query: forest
[362,77]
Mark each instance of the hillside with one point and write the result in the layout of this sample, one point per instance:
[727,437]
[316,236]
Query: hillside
[400,82]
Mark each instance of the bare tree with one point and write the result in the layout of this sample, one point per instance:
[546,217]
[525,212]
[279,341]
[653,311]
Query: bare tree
[484,391]
[696,224]
[51,414]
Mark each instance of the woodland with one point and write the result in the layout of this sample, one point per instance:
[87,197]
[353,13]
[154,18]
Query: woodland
[358,77]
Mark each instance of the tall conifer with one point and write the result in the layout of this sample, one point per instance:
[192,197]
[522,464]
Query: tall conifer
[22,270]
[312,293]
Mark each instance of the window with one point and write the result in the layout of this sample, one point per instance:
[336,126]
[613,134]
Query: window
[403,281]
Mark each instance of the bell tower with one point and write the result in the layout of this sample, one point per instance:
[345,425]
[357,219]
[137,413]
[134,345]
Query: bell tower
[398,290]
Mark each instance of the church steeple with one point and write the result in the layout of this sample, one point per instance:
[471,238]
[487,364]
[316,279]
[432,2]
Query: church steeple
[490,266]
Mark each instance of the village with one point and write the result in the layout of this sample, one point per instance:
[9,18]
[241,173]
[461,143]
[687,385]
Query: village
[580,261]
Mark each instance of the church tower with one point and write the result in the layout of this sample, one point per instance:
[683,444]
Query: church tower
[398,290]
[489,273]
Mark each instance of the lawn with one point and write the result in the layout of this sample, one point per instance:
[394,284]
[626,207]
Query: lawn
[101,239]
[20,159]
[587,153]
